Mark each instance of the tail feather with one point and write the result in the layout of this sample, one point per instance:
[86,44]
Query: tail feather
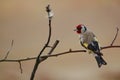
[103,61]
[100,61]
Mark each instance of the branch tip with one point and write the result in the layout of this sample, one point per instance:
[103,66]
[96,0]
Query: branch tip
[115,36]
[12,42]
[48,8]
[20,66]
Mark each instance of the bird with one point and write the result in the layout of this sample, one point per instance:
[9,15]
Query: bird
[89,41]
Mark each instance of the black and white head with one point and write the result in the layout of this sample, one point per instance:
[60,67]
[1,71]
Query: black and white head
[80,28]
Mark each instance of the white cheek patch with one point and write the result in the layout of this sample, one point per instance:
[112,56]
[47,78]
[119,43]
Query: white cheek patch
[83,29]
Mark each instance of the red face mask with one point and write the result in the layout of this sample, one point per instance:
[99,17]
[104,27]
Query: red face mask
[78,29]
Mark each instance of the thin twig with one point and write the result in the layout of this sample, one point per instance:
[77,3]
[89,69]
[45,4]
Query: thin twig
[17,60]
[113,46]
[50,30]
[115,36]
[9,50]
[20,66]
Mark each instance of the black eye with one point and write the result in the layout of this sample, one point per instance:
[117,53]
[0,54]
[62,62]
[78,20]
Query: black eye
[85,28]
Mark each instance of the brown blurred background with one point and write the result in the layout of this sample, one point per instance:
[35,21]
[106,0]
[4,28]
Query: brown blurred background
[25,22]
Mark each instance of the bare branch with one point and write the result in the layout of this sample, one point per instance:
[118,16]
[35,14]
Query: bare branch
[57,54]
[113,46]
[38,60]
[17,60]
[115,36]
[49,36]
[21,70]
[63,53]
[9,50]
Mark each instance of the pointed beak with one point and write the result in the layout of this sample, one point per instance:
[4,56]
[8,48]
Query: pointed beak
[75,29]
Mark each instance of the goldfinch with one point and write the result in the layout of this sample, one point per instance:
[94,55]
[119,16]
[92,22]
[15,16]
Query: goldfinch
[89,41]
